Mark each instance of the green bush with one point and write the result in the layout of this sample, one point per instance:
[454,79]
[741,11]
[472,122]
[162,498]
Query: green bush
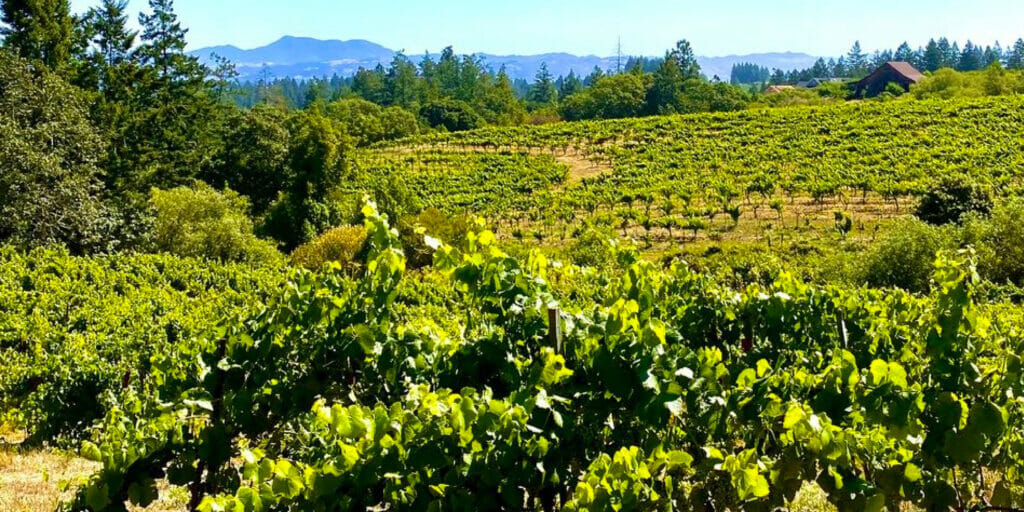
[591,247]
[904,256]
[948,84]
[368,122]
[451,115]
[342,245]
[951,198]
[617,96]
[433,222]
[202,222]
[999,242]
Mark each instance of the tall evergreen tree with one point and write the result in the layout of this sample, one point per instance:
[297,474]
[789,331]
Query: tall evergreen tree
[543,91]
[665,94]
[570,85]
[39,30]
[685,59]
[401,83]
[933,57]
[820,68]
[109,66]
[856,60]
[948,54]
[370,84]
[109,26]
[163,48]
[904,53]
[501,104]
[971,58]
[170,133]
[993,54]
[1015,57]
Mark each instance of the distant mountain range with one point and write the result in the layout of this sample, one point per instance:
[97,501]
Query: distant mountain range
[304,57]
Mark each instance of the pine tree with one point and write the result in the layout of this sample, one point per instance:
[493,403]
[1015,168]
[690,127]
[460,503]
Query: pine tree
[401,82]
[665,94]
[685,59]
[948,54]
[857,62]
[593,77]
[168,134]
[842,69]
[163,48]
[904,53]
[993,54]
[570,85]
[820,69]
[933,56]
[109,24]
[40,30]
[108,67]
[1015,57]
[501,102]
[970,58]
[543,91]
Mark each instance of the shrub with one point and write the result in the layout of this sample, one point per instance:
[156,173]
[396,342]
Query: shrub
[343,245]
[591,248]
[946,84]
[447,228]
[393,197]
[999,241]
[367,122]
[202,222]
[951,198]
[904,256]
[451,115]
[795,97]
[617,96]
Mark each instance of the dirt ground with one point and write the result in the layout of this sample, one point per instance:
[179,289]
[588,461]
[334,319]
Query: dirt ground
[32,481]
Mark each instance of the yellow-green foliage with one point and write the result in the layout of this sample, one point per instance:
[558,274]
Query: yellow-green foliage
[200,221]
[947,83]
[794,97]
[341,245]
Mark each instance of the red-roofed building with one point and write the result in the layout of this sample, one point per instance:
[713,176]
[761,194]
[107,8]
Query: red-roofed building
[901,73]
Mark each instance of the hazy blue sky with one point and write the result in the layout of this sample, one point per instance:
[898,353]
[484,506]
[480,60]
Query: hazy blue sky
[715,27]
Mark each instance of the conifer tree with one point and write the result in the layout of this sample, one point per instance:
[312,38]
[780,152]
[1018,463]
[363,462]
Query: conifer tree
[543,91]
[39,30]
[1015,58]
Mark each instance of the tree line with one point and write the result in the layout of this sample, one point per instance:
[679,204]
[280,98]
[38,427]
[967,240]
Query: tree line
[938,54]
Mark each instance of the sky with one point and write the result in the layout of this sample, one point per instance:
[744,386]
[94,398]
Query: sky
[593,27]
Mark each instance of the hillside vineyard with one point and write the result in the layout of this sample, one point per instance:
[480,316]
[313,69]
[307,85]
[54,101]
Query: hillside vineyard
[445,390]
[891,149]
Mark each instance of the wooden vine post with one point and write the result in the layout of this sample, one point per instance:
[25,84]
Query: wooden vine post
[555,328]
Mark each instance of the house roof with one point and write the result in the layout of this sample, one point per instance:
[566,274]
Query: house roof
[907,70]
[777,88]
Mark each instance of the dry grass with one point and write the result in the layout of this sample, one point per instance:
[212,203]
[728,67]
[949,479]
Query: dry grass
[31,482]
[581,165]
[811,499]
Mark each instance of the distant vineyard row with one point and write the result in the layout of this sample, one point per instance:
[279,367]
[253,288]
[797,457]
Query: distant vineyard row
[704,161]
